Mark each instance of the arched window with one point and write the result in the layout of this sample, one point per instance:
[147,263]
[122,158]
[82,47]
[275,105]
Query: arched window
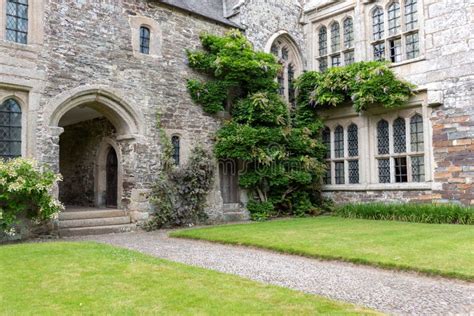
[377,23]
[323,41]
[284,49]
[399,136]
[339,142]
[394,25]
[144,40]
[411,17]
[383,142]
[10,129]
[176,154]
[335,37]
[348,33]
[416,133]
[17,21]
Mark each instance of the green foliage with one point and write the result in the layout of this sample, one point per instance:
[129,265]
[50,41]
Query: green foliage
[280,150]
[421,213]
[180,194]
[362,83]
[260,211]
[25,191]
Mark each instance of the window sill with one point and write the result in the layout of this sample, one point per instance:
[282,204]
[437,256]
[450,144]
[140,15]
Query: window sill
[425,186]
[18,46]
[408,61]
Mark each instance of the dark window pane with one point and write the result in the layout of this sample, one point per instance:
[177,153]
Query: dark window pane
[349,58]
[411,16]
[401,170]
[354,171]
[383,143]
[339,170]
[17,21]
[336,60]
[394,19]
[348,33]
[339,142]
[395,50]
[335,37]
[291,86]
[274,50]
[326,139]
[10,129]
[377,24]
[175,142]
[284,53]
[323,41]
[323,64]
[144,40]
[281,85]
[413,48]
[416,133]
[353,140]
[327,174]
[379,51]
[384,170]
[399,136]
[418,169]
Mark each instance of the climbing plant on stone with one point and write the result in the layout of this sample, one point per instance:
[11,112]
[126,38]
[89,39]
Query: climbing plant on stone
[281,153]
[362,84]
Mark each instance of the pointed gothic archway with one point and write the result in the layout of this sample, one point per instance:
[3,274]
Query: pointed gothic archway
[92,129]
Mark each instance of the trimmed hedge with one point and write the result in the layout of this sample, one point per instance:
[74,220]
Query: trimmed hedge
[419,213]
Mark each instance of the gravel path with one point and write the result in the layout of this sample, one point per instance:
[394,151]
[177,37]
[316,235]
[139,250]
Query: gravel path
[386,291]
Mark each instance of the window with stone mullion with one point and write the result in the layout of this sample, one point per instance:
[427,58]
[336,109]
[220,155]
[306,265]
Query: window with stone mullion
[17,21]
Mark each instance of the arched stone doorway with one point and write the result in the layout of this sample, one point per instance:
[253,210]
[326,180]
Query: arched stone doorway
[94,133]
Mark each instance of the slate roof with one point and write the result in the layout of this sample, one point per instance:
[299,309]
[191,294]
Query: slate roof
[211,9]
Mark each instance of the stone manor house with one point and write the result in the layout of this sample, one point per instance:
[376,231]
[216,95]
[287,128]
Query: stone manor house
[82,82]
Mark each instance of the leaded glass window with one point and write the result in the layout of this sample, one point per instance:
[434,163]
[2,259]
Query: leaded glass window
[17,21]
[377,23]
[383,142]
[281,85]
[339,142]
[323,64]
[335,37]
[348,33]
[10,129]
[416,133]
[144,40]
[323,41]
[395,50]
[285,53]
[336,60]
[384,170]
[176,144]
[353,140]
[411,18]
[349,58]
[394,25]
[379,51]
[399,136]
[412,42]
[339,172]
[401,170]
[353,171]
[326,140]
[418,168]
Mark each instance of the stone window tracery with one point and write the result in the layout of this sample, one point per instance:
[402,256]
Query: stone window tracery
[398,41]
[286,53]
[17,21]
[10,129]
[341,46]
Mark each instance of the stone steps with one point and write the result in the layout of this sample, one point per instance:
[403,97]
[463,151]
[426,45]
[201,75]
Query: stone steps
[80,222]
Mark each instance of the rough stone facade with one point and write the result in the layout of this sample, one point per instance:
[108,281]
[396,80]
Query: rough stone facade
[82,67]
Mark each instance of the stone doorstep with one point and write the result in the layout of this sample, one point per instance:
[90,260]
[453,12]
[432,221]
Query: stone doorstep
[97,230]
[75,215]
[90,222]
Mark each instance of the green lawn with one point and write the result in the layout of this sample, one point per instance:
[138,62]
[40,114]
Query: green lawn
[446,250]
[94,279]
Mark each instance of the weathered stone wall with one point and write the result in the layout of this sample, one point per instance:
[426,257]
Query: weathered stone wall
[79,146]
[261,19]
[89,44]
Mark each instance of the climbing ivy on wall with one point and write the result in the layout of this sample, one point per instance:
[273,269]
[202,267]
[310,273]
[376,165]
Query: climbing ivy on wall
[362,84]
[281,153]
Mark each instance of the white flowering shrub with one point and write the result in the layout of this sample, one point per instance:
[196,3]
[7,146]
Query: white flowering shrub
[25,191]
